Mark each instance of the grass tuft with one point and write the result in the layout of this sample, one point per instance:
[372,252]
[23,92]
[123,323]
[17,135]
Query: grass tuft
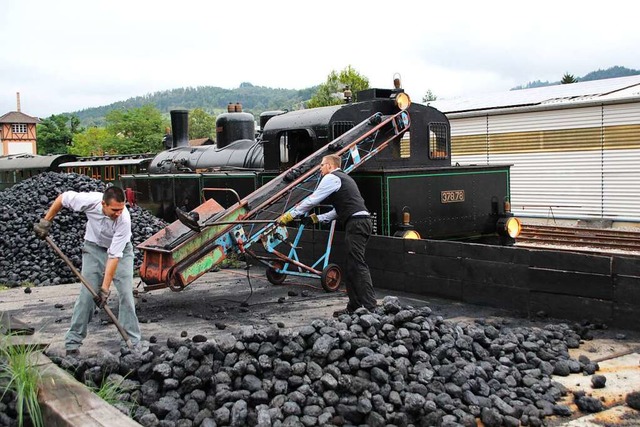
[110,391]
[20,376]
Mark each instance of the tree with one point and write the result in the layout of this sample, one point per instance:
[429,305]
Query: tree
[138,130]
[568,78]
[429,96]
[92,142]
[201,124]
[55,133]
[329,93]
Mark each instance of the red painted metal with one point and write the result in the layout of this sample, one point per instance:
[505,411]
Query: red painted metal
[158,257]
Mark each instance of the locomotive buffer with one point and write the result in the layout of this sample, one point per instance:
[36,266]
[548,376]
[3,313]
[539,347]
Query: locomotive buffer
[186,249]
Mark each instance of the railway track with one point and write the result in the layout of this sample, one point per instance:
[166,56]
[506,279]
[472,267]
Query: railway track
[580,239]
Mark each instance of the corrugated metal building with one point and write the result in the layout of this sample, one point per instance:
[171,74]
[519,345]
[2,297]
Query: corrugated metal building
[575,148]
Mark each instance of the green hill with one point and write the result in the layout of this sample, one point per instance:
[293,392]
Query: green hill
[609,73]
[257,99]
[214,100]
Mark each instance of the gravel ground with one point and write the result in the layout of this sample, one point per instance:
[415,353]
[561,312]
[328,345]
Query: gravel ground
[229,301]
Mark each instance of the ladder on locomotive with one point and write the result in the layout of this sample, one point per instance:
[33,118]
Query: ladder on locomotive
[178,255]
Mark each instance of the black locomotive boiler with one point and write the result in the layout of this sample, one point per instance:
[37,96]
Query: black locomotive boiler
[411,189]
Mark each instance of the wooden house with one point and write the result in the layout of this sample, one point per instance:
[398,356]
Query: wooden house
[18,132]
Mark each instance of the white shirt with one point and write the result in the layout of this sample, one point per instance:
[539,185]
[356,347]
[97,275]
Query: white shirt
[101,230]
[328,185]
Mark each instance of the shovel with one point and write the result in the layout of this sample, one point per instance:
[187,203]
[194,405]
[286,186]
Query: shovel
[86,284]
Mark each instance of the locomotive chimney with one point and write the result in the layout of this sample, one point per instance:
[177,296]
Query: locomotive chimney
[18,100]
[180,128]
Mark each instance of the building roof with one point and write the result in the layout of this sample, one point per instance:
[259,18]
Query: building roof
[18,117]
[589,91]
[29,161]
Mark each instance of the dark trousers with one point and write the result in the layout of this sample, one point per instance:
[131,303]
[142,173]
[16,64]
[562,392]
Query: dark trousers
[358,278]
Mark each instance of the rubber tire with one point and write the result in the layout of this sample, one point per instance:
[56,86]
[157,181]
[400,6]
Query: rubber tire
[331,278]
[273,276]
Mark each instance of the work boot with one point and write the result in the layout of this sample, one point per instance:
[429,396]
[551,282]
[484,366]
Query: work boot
[339,313]
[73,352]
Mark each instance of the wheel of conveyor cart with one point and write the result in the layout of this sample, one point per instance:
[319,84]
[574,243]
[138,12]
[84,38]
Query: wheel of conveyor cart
[331,278]
[273,276]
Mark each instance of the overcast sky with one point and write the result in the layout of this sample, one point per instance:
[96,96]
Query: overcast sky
[68,55]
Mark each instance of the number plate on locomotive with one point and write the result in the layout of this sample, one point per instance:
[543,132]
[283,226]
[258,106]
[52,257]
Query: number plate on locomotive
[452,196]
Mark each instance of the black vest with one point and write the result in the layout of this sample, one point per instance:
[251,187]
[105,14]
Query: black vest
[347,200]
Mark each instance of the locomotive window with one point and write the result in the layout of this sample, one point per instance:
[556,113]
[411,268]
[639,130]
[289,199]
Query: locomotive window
[295,146]
[402,149]
[340,128]
[19,128]
[438,141]
[284,148]
[405,146]
[95,172]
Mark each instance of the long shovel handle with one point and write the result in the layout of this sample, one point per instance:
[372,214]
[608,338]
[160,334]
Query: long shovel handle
[90,289]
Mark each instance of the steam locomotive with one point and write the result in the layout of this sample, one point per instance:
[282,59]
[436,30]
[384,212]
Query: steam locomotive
[411,189]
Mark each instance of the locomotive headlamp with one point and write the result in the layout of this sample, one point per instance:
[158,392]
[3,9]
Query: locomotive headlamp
[509,226]
[402,101]
[406,229]
[407,234]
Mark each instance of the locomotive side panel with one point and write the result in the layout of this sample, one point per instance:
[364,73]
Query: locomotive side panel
[452,203]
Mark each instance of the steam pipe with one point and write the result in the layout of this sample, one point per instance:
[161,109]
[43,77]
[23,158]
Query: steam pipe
[180,128]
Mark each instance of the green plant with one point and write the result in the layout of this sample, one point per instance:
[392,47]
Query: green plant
[111,390]
[20,376]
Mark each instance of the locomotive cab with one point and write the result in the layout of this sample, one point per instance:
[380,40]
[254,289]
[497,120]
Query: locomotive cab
[291,137]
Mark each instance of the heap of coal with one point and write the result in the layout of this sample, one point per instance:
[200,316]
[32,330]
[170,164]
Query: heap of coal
[27,259]
[399,366]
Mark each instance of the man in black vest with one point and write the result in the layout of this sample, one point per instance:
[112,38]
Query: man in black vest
[341,191]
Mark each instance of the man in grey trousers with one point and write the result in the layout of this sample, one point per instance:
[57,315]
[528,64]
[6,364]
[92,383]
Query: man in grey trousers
[107,256]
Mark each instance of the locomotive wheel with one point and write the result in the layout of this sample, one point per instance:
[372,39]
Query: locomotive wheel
[273,276]
[331,278]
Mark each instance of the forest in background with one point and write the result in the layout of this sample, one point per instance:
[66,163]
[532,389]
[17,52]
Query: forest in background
[609,73]
[213,100]
[257,99]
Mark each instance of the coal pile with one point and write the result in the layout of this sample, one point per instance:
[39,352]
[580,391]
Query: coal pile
[399,366]
[27,259]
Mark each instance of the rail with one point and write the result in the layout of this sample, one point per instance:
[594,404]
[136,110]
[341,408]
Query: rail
[581,239]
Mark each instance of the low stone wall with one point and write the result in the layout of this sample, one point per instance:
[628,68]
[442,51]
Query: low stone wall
[569,285]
